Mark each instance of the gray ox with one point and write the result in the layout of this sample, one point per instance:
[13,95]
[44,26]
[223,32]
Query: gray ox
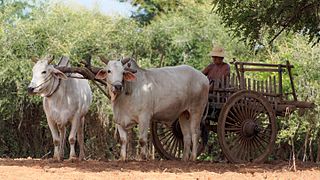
[160,94]
[65,100]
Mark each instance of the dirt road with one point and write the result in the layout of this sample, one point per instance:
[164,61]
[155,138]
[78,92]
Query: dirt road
[92,169]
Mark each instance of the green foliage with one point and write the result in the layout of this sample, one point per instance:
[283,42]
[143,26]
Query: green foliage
[251,19]
[148,10]
[186,37]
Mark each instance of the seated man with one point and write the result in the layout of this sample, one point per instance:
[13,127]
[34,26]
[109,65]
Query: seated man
[217,69]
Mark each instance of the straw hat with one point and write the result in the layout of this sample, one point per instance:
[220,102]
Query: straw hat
[217,51]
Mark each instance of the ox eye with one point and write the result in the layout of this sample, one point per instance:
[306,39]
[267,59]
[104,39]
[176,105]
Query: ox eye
[43,72]
[109,71]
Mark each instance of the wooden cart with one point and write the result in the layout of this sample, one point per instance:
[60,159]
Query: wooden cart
[242,112]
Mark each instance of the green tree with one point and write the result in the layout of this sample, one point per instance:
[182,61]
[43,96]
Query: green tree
[147,10]
[251,19]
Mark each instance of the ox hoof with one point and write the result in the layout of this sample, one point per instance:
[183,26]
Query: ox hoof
[55,160]
[185,159]
[81,159]
[122,160]
[143,158]
[73,159]
[193,158]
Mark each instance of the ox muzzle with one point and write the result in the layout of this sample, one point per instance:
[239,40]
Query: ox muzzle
[30,90]
[117,87]
[34,89]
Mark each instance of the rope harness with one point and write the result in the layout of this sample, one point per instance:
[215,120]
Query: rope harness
[52,91]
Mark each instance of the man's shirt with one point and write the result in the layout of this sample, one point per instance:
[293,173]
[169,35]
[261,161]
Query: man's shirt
[214,72]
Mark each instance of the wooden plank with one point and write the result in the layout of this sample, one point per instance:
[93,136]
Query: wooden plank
[291,81]
[270,85]
[271,99]
[275,84]
[266,86]
[260,69]
[263,64]
[262,87]
[242,80]
[238,73]
[227,82]
[255,85]
[258,86]
[237,83]
[232,81]
[245,83]
[280,80]
[249,84]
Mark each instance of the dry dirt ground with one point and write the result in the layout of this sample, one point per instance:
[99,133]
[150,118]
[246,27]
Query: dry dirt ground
[92,169]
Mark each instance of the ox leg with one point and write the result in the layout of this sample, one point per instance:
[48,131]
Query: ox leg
[143,136]
[56,140]
[185,128]
[72,137]
[124,141]
[62,131]
[80,136]
[195,132]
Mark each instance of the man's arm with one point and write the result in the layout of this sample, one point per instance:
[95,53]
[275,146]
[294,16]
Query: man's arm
[206,70]
[227,71]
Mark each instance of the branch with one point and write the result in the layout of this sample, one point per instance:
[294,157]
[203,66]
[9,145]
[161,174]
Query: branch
[295,15]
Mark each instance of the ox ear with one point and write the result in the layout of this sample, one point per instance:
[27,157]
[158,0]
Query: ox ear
[129,76]
[34,59]
[58,74]
[102,74]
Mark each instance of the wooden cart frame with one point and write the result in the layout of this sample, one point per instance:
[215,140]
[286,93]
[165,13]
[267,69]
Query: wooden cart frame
[242,112]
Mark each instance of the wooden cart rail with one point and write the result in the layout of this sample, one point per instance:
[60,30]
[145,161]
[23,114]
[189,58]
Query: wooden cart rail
[271,88]
[242,67]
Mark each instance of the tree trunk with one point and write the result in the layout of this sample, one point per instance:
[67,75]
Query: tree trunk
[293,156]
[311,150]
[318,151]
[305,145]
[161,60]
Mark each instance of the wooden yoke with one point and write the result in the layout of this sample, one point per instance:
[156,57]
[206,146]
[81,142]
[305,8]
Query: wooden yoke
[88,72]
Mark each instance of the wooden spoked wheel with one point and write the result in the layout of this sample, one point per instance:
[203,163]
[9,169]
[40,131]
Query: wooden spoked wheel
[168,140]
[247,128]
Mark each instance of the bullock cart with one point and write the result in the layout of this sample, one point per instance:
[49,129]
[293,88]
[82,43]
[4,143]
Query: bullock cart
[241,110]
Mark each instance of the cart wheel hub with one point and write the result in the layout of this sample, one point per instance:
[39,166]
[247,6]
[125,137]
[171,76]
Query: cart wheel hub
[250,128]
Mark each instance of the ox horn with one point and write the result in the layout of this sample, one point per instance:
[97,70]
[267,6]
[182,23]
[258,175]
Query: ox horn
[49,58]
[34,59]
[104,60]
[125,60]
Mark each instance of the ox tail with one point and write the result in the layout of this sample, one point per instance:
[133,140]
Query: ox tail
[204,130]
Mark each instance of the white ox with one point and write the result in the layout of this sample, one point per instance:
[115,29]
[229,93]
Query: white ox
[162,94]
[65,100]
